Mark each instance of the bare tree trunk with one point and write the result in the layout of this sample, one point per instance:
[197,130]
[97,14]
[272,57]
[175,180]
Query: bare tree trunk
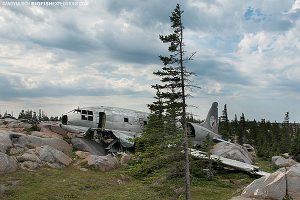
[184,122]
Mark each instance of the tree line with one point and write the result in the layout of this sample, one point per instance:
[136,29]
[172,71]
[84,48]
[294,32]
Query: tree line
[32,116]
[268,138]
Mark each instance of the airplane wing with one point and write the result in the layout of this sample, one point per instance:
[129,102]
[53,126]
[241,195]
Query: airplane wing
[230,162]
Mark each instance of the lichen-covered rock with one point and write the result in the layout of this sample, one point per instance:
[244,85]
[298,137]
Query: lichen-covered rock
[51,155]
[103,163]
[5,141]
[29,165]
[29,155]
[43,156]
[46,134]
[275,185]
[283,162]
[7,164]
[232,151]
[17,150]
[82,154]
[293,181]
[24,140]
[272,186]
[125,158]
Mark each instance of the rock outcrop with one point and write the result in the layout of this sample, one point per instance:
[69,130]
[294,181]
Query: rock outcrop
[5,142]
[275,185]
[232,151]
[280,161]
[23,140]
[7,164]
[103,163]
[125,158]
[13,123]
[44,155]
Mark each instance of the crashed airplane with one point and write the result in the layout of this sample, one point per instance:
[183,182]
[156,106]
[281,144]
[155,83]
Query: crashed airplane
[116,127]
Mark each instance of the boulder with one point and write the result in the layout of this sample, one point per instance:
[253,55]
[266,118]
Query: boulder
[19,125]
[7,164]
[82,154]
[103,163]
[275,185]
[125,158]
[51,155]
[283,162]
[232,151]
[23,140]
[271,186]
[57,129]
[5,141]
[84,144]
[286,155]
[13,123]
[29,165]
[17,150]
[29,156]
[251,150]
[46,134]
[43,155]
[293,181]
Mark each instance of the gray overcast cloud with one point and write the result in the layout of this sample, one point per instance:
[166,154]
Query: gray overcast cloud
[103,53]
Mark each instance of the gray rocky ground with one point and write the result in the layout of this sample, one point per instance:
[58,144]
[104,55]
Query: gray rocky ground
[21,148]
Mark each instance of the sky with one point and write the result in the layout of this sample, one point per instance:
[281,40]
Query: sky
[103,52]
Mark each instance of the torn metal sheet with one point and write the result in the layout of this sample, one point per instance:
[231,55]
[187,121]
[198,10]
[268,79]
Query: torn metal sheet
[229,162]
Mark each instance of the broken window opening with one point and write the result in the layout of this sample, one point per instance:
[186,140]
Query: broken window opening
[90,118]
[83,117]
[83,112]
[126,119]
[145,123]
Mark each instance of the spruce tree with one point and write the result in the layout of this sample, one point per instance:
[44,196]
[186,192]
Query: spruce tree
[174,78]
[224,126]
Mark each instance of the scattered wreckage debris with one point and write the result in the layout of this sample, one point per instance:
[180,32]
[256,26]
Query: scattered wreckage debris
[252,169]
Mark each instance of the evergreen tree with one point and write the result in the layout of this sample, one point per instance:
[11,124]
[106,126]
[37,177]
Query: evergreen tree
[224,126]
[241,130]
[174,77]
[163,131]
[286,120]
[22,114]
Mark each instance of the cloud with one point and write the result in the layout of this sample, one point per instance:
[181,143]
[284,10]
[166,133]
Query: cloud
[245,50]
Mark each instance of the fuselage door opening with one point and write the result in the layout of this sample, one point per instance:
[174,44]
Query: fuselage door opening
[102,120]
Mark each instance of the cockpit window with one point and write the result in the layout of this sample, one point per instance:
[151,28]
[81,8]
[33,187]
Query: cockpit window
[87,115]
[84,112]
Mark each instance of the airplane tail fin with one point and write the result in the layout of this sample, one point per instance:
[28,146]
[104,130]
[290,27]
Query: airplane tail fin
[212,121]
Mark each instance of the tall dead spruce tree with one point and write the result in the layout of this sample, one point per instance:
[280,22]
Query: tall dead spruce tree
[174,78]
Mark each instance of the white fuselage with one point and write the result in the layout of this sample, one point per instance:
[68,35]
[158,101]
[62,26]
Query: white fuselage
[110,118]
